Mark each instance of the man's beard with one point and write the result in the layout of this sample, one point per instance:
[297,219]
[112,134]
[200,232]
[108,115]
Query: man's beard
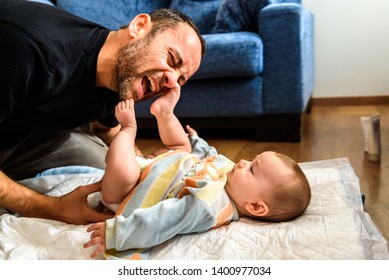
[130,59]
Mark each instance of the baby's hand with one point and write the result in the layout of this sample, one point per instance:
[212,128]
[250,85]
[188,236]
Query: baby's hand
[125,113]
[97,237]
[191,131]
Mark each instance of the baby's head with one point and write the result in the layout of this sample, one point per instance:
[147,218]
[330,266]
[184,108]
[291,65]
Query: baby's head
[272,188]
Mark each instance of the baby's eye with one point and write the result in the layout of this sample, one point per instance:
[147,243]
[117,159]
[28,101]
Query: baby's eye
[252,170]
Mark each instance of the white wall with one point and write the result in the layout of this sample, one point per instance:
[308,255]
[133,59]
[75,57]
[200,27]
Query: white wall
[351,47]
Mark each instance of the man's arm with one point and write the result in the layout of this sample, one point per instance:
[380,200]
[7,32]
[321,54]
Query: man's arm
[71,208]
[104,133]
[107,134]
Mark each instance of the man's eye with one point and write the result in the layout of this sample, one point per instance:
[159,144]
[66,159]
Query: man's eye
[172,60]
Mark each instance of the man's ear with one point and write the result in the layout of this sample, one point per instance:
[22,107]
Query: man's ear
[139,25]
[258,208]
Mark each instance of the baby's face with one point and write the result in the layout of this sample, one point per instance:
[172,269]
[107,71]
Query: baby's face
[249,181]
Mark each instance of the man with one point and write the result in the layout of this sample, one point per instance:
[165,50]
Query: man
[59,73]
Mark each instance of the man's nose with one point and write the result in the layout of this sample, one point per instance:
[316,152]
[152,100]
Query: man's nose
[170,79]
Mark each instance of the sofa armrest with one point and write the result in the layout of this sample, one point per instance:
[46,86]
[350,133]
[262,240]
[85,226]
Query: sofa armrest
[288,77]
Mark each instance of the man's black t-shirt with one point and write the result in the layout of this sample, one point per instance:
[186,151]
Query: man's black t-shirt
[48,71]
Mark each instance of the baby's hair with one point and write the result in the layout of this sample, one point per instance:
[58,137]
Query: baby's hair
[290,200]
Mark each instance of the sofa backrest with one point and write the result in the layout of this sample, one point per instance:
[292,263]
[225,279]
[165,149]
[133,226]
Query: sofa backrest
[114,14]
[110,14]
[202,12]
[206,12]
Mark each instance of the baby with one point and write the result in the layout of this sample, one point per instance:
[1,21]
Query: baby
[184,191]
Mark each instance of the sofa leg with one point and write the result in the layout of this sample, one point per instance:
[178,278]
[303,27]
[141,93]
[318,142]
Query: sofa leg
[309,106]
[264,128]
[278,128]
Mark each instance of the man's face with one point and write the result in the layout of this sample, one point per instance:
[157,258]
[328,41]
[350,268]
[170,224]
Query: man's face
[152,66]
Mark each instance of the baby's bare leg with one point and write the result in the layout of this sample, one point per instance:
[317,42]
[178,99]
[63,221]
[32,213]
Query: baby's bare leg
[170,129]
[122,171]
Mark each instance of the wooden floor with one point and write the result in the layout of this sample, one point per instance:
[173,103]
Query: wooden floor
[328,132]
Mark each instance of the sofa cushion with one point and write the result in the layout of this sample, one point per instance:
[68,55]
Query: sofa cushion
[202,12]
[237,54]
[111,14]
[238,15]
[241,15]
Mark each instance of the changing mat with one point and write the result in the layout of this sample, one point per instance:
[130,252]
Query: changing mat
[334,226]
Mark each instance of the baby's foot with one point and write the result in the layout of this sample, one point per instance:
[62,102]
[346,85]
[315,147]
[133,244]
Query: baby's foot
[125,113]
[165,104]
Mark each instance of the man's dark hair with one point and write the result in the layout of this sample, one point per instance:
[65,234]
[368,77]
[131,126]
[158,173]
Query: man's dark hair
[163,19]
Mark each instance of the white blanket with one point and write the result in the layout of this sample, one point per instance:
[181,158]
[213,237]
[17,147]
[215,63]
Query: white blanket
[333,227]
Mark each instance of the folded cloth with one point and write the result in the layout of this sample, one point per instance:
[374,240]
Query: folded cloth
[71,169]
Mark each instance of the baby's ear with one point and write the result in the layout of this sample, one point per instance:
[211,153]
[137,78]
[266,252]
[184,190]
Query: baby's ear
[258,208]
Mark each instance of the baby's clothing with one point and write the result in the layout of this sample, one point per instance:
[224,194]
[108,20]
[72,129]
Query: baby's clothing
[178,193]
[143,162]
[200,148]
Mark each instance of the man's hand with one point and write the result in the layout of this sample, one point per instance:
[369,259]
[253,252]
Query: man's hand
[73,207]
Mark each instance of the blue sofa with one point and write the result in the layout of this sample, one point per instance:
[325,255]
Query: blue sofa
[257,74]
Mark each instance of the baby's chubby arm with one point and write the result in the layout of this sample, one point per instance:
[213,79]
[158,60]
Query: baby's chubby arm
[148,227]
